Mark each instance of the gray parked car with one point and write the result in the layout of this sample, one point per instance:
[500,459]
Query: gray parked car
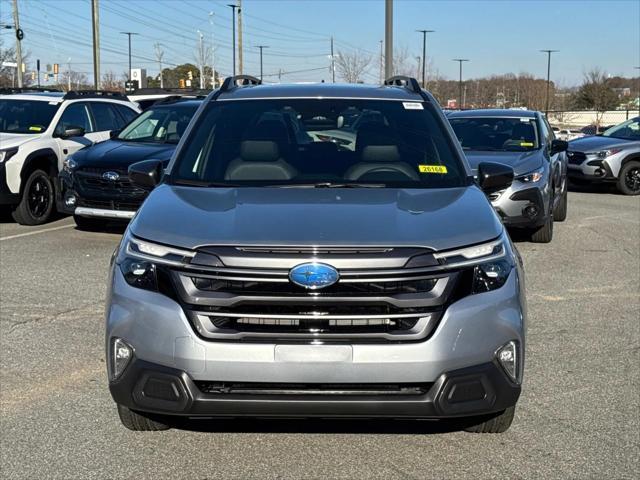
[523,140]
[613,157]
[267,277]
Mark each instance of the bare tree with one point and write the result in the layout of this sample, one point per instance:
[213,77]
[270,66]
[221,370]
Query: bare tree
[110,81]
[596,93]
[8,74]
[352,66]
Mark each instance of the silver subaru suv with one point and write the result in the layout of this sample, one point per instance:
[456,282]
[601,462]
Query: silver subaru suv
[293,261]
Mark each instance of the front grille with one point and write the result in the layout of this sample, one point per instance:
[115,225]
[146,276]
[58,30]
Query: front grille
[110,204]
[324,389]
[90,181]
[576,158]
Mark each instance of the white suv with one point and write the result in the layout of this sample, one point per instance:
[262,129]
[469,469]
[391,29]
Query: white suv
[38,131]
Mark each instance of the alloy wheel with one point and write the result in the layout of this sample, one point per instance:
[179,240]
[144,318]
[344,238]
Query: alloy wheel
[39,196]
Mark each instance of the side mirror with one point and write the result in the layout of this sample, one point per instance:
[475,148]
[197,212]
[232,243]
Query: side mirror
[114,133]
[146,174]
[72,131]
[493,177]
[558,146]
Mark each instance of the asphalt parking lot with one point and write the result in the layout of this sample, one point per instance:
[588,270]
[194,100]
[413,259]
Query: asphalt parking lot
[579,416]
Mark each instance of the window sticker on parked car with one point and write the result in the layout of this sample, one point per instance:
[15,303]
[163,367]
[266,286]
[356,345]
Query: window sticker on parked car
[432,169]
[412,106]
[526,144]
[35,128]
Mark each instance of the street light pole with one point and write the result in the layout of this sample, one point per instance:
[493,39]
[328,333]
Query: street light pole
[233,21]
[548,52]
[95,22]
[424,55]
[261,47]
[638,97]
[460,61]
[16,25]
[388,38]
[129,35]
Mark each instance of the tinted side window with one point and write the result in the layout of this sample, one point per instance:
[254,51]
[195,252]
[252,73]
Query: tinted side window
[75,115]
[105,116]
[127,113]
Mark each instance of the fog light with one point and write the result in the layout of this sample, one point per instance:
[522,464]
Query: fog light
[70,200]
[121,354]
[531,211]
[508,358]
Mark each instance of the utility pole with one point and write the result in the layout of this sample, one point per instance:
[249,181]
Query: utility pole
[159,55]
[95,20]
[19,35]
[388,38]
[548,52]
[381,63]
[233,23]
[460,61]
[213,70]
[69,74]
[333,63]
[638,97]
[129,35]
[201,59]
[424,55]
[38,69]
[240,36]
[261,47]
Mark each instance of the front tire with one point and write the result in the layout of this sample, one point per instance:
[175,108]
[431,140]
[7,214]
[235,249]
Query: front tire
[37,203]
[138,422]
[629,178]
[560,212]
[498,423]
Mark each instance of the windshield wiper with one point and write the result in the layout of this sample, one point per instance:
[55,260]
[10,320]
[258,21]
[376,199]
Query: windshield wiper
[331,185]
[202,183]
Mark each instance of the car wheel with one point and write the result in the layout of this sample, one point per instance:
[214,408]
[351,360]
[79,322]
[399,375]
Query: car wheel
[36,205]
[89,224]
[560,212]
[629,178]
[498,423]
[139,422]
[544,234]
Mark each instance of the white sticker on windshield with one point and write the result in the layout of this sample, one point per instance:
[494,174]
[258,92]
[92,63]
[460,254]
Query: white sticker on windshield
[526,120]
[412,105]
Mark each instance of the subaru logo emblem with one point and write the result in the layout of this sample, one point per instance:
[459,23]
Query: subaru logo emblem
[313,276]
[111,176]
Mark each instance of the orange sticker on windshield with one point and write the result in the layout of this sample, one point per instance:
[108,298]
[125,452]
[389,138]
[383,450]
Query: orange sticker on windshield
[432,169]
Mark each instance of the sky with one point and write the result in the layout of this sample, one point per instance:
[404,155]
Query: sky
[498,36]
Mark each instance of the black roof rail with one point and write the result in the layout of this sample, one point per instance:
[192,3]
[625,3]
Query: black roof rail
[409,83]
[239,80]
[71,94]
[176,98]
[160,91]
[12,90]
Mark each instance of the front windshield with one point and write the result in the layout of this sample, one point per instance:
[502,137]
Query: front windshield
[319,143]
[496,134]
[164,124]
[629,130]
[26,116]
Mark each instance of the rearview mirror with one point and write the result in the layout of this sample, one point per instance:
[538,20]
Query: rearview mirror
[558,146]
[72,131]
[493,177]
[146,174]
[114,133]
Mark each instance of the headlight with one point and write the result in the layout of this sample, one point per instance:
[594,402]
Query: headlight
[607,153]
[531,177]
[139,273]
[7,154]
[69,164]
[491,275]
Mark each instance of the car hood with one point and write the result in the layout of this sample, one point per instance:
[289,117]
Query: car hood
[440,219]
[595,143]
[10,140]
[117,154]
[521,162]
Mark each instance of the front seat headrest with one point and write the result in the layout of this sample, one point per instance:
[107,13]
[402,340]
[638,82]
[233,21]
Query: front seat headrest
[259,151]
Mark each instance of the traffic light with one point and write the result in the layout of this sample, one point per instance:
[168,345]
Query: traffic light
[56,68]
[190,75]
[181,83]
[33,75]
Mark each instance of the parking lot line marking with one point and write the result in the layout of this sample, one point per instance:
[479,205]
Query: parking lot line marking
[44,230]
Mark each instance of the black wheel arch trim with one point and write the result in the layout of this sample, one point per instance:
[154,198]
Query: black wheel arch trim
[50,157]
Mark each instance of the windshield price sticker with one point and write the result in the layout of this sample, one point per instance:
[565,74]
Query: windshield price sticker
[412,106]
[432,169]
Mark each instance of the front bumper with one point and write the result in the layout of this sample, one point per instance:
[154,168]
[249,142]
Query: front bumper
[468,335]
[521,207]
[6,196]
[475,390]
[592,169]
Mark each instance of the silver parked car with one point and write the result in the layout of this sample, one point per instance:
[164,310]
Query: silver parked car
[267,277]
[612,157]
[523,140]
